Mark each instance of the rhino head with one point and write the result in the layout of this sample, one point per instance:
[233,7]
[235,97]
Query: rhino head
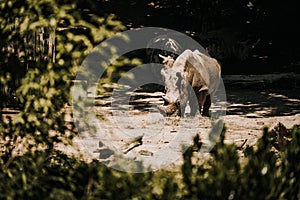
[172,80]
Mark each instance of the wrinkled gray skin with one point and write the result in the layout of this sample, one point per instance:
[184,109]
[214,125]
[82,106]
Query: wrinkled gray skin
[192,77]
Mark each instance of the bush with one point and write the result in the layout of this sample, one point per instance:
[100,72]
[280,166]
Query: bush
[53,175]
[42,44]
[262,173]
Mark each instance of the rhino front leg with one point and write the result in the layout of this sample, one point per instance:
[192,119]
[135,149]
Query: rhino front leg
[184,92]
[193,102]
[196,100]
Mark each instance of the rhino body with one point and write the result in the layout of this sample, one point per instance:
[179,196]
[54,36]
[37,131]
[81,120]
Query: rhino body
[192,77]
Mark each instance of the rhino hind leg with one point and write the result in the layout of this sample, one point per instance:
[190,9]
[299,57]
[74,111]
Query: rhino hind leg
[206,106]
[203,102]
[189,96]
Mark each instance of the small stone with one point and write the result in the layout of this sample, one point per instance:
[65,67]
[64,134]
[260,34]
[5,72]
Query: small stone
[145,153]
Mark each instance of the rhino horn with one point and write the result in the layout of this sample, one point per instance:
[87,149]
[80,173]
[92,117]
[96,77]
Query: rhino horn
[165,59]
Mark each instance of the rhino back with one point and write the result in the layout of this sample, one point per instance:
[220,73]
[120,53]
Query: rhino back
[192,70]
[209,69]
[181,61]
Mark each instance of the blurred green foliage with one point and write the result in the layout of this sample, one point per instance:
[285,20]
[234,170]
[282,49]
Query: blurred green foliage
[262,173]
[42,44]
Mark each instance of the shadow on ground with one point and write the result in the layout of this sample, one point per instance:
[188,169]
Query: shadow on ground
[263,102]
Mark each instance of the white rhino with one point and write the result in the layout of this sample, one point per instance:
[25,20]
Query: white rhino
[192,77]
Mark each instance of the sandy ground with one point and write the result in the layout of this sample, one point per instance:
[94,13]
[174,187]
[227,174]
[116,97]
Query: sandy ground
[136,131]
[121,134]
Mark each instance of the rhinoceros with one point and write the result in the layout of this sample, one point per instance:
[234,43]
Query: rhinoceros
[192,77]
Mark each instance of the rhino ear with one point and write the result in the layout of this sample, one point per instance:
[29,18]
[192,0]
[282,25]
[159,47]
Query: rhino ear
[204,89]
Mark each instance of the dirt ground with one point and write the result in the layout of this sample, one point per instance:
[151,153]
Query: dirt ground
[138,132]
[248,111]
[133,130]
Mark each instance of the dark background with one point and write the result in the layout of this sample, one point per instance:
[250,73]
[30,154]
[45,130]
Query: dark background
[247,37]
